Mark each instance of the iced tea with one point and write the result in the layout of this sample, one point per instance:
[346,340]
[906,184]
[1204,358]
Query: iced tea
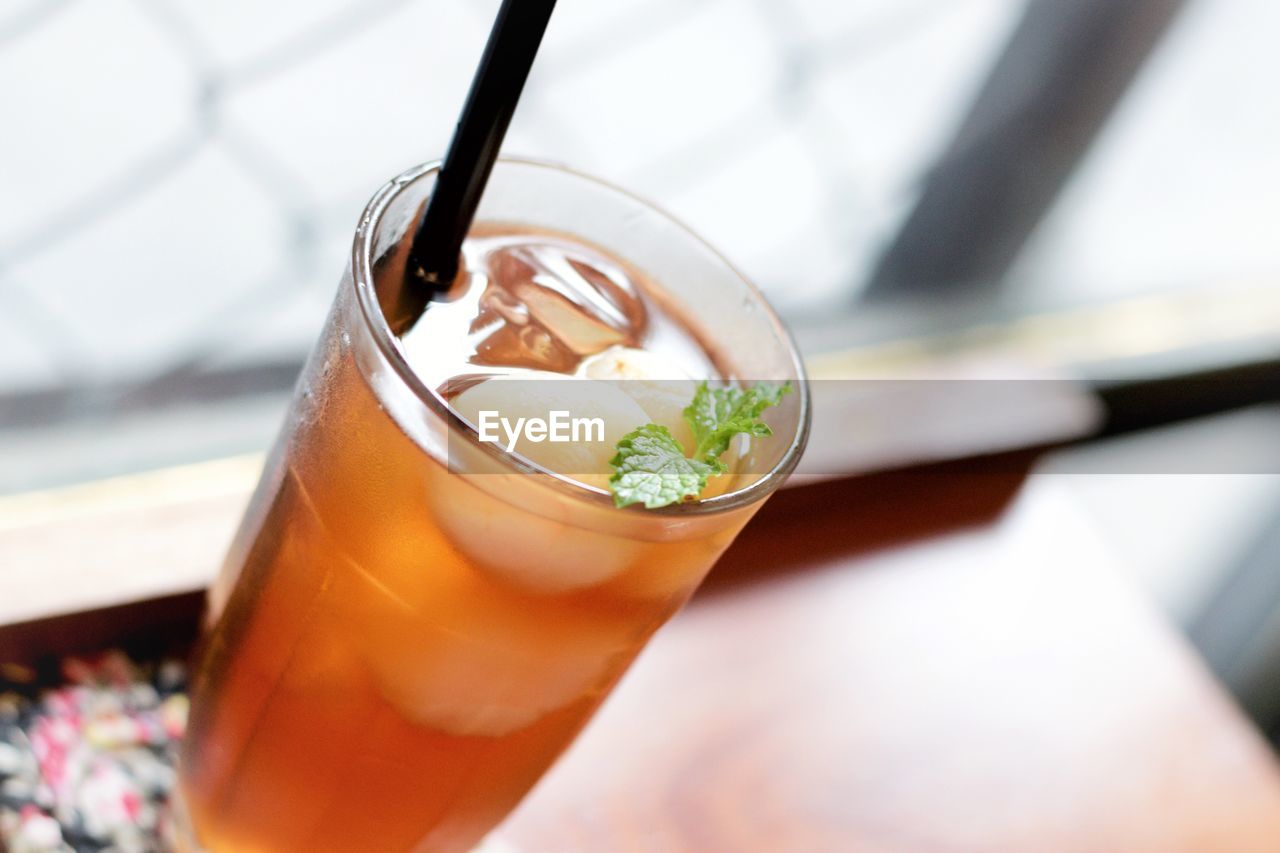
[410,628]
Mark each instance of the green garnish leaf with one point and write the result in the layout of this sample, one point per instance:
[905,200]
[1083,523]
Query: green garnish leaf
[719,414]
[650,466]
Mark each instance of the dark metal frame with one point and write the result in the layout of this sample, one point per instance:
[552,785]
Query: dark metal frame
[1066,66]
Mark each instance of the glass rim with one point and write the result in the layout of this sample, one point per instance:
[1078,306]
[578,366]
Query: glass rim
[362,261]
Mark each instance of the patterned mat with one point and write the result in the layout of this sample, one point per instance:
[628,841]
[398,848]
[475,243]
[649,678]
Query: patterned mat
[87,765]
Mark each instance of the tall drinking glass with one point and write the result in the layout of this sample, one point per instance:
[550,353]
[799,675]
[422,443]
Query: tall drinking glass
[394,652]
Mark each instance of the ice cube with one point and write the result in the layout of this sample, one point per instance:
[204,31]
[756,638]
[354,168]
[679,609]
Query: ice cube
[462,655]
[619,362]
[656,383]
[549,302]
[522,548]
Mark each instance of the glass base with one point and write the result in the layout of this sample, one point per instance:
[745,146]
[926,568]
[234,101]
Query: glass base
[180,836]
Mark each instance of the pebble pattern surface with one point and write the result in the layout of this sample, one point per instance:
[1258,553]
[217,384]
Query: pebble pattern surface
[87,764]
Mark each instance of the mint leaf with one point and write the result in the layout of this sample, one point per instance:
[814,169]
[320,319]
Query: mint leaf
[718,414]
[650,468]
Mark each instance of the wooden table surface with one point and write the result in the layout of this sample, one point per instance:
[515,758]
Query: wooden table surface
[931,662]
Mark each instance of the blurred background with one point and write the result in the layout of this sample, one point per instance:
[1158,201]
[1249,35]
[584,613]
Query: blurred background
[1084,195]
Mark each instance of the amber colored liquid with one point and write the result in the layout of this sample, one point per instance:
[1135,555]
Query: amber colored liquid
[367,684]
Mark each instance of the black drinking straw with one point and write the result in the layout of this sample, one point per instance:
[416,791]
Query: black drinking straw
[495,90]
